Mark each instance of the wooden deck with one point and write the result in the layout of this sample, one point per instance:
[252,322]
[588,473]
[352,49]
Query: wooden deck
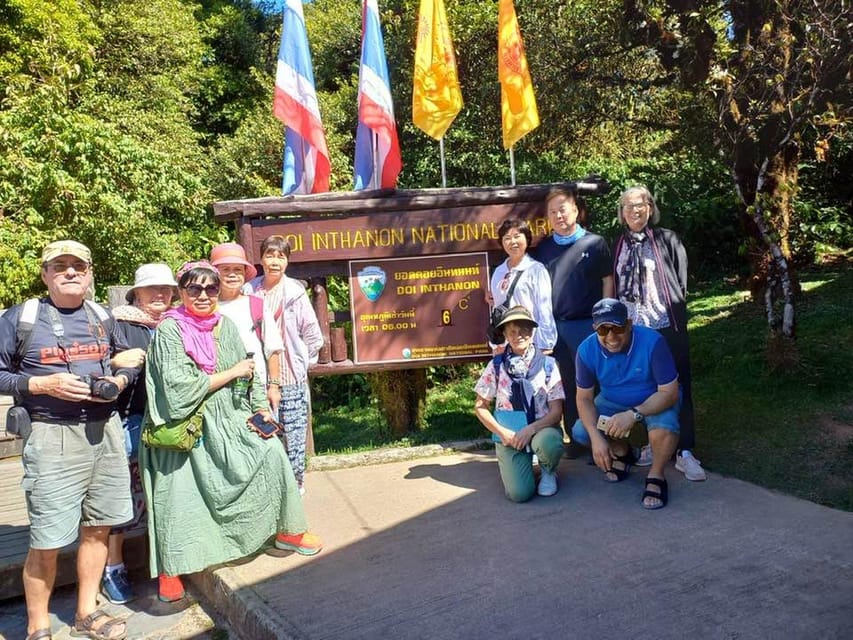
[15,537]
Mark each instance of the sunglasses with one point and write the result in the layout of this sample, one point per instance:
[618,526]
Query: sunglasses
[604,329]
[194,290]
[61,267]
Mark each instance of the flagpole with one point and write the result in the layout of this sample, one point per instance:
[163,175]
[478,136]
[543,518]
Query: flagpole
[443,168]
[512,165]
[374,143]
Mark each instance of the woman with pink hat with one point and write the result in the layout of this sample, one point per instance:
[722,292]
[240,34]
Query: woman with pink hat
[258,329]
[298,324]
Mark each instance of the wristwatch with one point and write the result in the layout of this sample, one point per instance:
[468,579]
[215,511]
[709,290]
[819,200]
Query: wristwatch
[274,381]
[638,417]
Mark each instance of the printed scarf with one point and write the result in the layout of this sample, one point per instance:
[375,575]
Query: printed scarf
[521,370]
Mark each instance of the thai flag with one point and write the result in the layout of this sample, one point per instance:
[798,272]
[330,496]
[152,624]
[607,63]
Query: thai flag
[377,149]
[306,157]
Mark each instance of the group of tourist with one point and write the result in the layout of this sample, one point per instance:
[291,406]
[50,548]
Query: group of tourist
[588,338]
[595,338]
[216,344]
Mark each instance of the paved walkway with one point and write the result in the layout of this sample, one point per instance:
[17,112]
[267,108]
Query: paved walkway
[430,548]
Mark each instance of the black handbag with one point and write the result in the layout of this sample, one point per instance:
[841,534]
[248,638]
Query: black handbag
[493,332]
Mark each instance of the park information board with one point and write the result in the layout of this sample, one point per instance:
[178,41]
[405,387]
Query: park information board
[422,308]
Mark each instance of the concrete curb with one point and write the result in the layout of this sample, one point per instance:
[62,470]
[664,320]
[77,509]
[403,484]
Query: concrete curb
[246,613]
[394,454]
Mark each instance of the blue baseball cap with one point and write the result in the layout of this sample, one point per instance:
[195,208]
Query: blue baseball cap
[609,311]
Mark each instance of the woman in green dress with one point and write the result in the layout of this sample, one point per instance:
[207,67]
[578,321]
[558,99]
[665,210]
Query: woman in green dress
[227,496]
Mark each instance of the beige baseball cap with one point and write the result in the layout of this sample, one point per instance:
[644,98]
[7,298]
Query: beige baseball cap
[66,248]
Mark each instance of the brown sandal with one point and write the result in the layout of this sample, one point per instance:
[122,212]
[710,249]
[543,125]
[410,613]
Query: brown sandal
[83,627]
[40,634]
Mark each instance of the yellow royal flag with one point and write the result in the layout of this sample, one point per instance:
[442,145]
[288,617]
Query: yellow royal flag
[436,97]
[518,104]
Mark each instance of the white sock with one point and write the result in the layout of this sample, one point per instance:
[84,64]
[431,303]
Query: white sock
[112,568]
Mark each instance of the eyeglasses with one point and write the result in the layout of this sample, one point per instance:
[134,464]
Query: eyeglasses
[61,267]
[194,290]
[635,206]
[604,329]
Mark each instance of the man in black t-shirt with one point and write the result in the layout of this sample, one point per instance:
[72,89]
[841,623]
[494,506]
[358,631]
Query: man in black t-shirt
[581,274]
[75,467]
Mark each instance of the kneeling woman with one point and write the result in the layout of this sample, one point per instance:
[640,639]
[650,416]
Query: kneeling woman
[227,496]
[528,394]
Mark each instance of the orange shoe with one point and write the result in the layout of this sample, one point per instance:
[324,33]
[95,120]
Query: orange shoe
[171,588]
[305,544]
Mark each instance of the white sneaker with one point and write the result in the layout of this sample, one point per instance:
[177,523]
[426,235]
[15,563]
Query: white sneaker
[690,467]
[547,483]
[645,457]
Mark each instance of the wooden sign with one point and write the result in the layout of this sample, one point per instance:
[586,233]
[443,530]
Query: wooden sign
[415,309]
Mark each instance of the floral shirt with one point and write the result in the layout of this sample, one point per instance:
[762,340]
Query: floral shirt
[547,382]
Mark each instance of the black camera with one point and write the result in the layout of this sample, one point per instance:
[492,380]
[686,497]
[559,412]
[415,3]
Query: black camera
[101,388]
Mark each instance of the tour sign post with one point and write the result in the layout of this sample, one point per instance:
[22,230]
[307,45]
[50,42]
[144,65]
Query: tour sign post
[420,253]
[420,308]
[425,232]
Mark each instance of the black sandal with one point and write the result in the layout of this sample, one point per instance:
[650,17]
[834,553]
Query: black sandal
[662,495]
[626,460]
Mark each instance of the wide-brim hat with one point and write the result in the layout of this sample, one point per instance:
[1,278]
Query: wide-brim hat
[609,311]
[232,253]
[152,275]
[518,314]
[66,248]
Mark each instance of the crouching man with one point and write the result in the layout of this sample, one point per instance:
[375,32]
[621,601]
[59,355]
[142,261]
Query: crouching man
[638,383]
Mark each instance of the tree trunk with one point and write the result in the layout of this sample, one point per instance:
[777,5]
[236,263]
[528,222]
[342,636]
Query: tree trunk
[770,215]
[402,398]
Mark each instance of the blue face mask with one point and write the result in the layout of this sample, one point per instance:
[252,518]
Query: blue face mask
[579,233]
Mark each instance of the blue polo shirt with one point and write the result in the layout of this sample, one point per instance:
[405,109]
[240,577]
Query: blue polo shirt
[629,377]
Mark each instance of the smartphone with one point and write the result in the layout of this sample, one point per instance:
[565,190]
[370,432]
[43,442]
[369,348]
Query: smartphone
[602,423]
[262,427]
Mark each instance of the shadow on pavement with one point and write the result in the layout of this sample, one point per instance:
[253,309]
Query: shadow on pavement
[432,549]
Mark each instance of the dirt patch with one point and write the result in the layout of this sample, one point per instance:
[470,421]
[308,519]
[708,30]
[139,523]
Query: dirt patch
[836,427]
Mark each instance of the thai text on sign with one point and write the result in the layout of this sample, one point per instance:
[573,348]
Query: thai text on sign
[431,307]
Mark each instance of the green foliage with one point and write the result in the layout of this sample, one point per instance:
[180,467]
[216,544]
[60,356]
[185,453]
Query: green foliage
[121,121]
[96,142]
[784,429]
[239,43]
[247,164]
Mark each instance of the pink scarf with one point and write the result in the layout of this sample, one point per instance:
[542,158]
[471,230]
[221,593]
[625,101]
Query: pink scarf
[197,336]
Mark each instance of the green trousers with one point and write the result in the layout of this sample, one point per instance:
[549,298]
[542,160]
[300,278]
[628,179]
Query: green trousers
[516,467]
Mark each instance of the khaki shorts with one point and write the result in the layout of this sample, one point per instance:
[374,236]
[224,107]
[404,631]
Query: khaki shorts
[75,474]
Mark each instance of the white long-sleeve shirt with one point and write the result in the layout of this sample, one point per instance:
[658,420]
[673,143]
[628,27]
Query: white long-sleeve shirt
[533,291]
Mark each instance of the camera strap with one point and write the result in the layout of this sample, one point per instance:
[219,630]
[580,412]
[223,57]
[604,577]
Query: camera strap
[95,328]
[508,302]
